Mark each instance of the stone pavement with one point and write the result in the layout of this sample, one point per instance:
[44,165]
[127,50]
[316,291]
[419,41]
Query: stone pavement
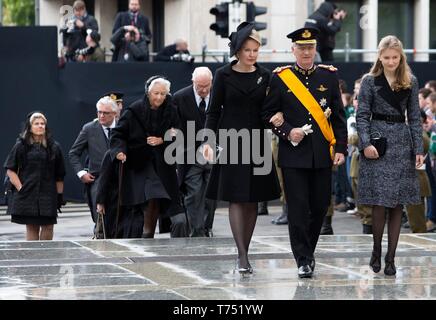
[73,267]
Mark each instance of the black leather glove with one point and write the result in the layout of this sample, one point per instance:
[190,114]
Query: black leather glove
[60,201]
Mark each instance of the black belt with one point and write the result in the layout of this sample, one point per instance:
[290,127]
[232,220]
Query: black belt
[388,117]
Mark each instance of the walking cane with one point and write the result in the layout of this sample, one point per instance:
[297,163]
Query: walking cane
[120,182]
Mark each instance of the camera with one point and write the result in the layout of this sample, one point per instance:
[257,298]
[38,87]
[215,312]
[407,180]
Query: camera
[71,25]
[83,51]
[132,35]
[184,57]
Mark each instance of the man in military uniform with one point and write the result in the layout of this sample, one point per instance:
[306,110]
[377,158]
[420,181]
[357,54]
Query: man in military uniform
[313,136]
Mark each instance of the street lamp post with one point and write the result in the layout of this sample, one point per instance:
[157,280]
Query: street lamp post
[37,13]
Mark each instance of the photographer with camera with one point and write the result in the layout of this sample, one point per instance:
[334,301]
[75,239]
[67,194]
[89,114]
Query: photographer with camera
[93,52]
[75,31]
[328,20]
[176,52]
[129,45]
[133,18]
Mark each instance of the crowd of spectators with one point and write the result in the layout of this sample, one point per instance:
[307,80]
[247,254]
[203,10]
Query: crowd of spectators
[131,37]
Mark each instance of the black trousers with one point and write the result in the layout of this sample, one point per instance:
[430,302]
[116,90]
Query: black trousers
[308,193]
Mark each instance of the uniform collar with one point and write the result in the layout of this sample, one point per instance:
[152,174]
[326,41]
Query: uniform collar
[304,71]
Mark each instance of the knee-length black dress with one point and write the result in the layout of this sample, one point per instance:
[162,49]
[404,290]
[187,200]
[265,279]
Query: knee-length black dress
[39,168]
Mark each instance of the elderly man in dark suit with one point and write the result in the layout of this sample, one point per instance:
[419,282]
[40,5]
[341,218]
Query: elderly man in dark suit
[191,103]
[93,140]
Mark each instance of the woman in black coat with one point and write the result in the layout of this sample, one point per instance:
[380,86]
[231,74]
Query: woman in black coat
[238,92]
[389,108]
[35,167]
[138,141]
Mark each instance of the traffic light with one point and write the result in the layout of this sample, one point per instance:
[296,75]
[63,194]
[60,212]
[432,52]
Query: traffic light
[252,12]
[221,25]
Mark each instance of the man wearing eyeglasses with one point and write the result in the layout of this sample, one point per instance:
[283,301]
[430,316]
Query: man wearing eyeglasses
[93,140]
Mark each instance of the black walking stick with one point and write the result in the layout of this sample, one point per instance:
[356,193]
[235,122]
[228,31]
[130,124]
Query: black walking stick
[120,182]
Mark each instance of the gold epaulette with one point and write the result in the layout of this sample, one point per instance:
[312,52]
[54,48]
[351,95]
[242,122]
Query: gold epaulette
[280,69]
[328,67]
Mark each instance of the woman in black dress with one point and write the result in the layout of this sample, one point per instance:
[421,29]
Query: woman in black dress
[148,181]
[35,167]
[238,92]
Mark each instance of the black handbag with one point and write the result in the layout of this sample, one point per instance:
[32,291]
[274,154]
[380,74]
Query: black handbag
[380,143]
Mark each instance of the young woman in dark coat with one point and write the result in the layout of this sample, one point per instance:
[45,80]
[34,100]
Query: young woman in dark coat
[389,108]
[138,141]
[35,167]
[238,92]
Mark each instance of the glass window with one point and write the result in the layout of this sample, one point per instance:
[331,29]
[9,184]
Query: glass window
[395,17]
[350,26]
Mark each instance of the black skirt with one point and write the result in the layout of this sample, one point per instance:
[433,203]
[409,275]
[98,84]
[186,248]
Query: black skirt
[37,220]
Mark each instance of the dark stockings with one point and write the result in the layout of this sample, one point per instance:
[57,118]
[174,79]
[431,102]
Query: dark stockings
[394,228]
[151,215]
[242,217]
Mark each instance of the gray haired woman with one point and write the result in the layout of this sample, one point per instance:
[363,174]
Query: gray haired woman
[149,183]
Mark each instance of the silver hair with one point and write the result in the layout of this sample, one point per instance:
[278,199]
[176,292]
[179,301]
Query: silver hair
[163,81]
[107,101]
[201,71]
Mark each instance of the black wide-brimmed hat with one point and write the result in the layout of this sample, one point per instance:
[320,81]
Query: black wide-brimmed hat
[304,35]
[242,33]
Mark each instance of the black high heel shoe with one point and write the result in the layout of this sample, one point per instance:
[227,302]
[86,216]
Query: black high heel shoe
[242,270]
[250,268]
[390,269]
[375,262]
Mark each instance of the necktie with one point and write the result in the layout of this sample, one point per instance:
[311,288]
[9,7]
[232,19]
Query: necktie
[202,108]
[108,133]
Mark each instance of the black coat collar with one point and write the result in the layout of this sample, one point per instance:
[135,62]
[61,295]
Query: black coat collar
[262,75]
[141,111]
[394,98]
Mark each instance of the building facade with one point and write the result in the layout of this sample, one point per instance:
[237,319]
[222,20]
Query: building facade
[366,23]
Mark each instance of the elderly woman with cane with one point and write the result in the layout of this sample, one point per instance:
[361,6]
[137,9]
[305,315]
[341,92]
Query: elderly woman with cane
[149,183]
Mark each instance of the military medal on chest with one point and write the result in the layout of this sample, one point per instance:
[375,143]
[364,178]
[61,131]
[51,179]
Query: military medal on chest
[323,104]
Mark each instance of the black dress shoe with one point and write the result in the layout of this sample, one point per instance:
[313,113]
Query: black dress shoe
[326,228]
[390,269]
[375,262]
[312,265]
[305,271]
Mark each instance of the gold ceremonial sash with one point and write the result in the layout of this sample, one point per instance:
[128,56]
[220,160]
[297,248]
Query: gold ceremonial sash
[306,98]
